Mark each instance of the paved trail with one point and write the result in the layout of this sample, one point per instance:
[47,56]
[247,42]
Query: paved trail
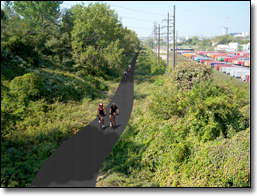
[76,163]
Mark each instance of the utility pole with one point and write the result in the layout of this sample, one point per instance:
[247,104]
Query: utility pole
[154,40]
[176,46]
[159,46]
[168,27]
[174,37]
[167,68]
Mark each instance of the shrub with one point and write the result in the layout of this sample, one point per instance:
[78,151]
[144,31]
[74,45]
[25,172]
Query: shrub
[27,87]
[23,49]
[185,74]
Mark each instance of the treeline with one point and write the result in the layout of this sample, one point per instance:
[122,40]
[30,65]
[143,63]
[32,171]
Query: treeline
[194,41]
[86,38]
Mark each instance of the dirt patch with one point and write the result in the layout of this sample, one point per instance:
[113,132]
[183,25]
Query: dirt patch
[105,92]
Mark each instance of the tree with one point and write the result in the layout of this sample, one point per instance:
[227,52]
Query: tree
[206,42]
[67,21]
[96,28]
[189,41]
[149,42]
[224,39]
[59,44]
[17,37]
[129,42]
[37,12]
[3,16]
[195,40]
[59,39]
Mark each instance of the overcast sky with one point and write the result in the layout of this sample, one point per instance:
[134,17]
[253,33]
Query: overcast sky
[205,18]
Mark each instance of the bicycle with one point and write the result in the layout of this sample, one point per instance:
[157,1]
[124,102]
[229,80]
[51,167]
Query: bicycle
[130,72]
[113,121]
[125,74]
[101,122]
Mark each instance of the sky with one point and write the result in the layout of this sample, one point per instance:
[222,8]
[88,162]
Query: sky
[206,18]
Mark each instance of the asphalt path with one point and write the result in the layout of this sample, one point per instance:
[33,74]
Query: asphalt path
[77,161]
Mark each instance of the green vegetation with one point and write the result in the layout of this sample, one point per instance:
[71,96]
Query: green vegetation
[50,85]
[194,135]
[188,129]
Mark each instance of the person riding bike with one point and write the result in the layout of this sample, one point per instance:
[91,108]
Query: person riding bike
[113,108]
[129,69]
[101,111]
[125,74]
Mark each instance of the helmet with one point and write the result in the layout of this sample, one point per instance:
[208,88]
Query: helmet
[100,104]
[113,103]
[129,66]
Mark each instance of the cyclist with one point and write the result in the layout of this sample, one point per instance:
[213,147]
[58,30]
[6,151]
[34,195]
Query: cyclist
[125,74]
[113,108]
[101,111]
[129,69]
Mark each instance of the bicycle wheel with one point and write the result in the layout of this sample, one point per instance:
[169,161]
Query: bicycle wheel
[101,123]
[113,123]
[114,126]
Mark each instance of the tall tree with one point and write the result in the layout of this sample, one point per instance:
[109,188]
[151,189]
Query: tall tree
[96,28]
[37,12]
[224,39]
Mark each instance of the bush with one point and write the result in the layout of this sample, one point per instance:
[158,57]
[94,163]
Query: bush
[185,74]
[23,49]
[207,110]
[27,87]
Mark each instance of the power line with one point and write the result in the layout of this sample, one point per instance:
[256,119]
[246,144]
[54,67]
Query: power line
[163,15]
[208,13]
[138,28]
[136,19]
[124,16]
[206,25]
[137,10]
[213,15]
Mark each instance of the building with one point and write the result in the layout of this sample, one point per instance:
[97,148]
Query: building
[233,34]
[222,46]
[179,40]
[246,46]
[225,30]
[233,46]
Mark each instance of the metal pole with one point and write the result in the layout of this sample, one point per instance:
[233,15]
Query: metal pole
[167,69]
[159,46]
[176,46]
[174,37]
[155,47]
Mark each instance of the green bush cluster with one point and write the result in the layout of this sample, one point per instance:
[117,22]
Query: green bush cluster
[23,49]
[184,136]
[206,111]
[27,87]
[185,74]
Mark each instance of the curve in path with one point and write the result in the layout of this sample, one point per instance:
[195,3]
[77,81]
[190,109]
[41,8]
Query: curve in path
[77,161]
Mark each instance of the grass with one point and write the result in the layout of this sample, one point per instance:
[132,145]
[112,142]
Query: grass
[30,134]
[144,156]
